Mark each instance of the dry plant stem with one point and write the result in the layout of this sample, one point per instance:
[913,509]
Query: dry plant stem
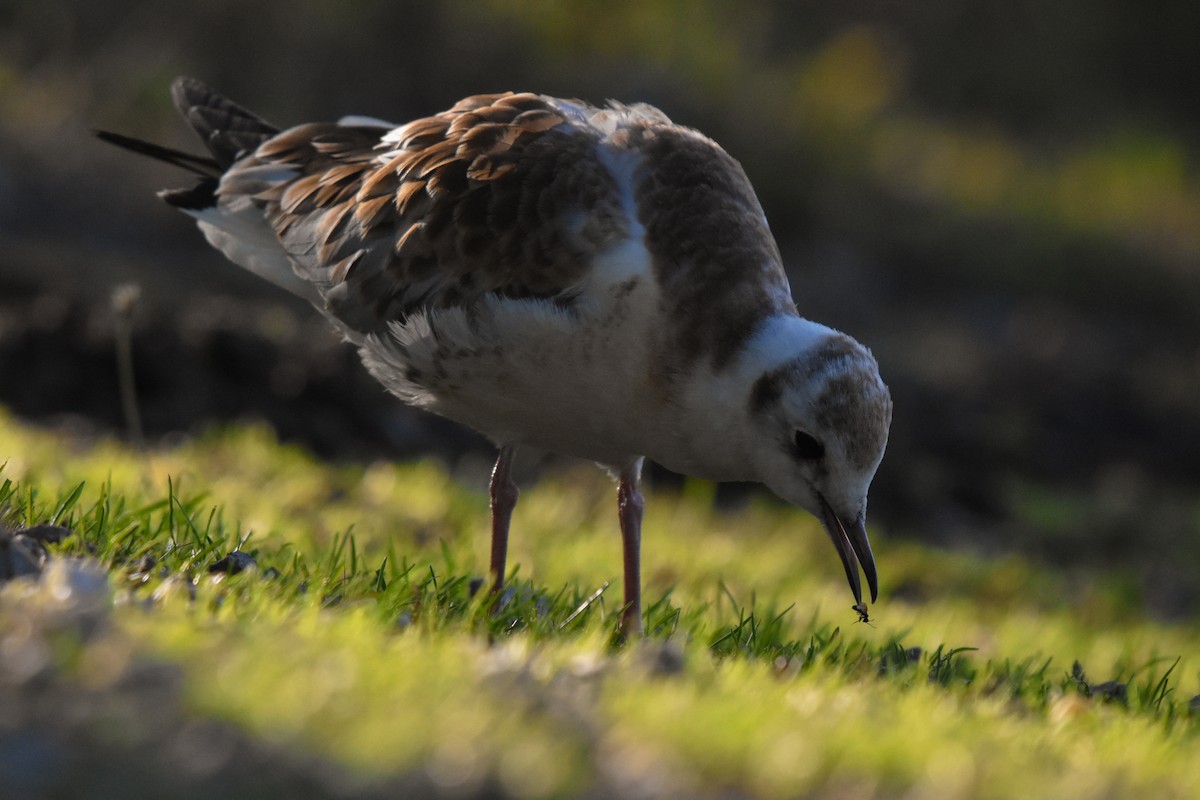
[504,494]
[630,506]
[124,300]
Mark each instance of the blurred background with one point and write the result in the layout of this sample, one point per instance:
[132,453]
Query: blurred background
[1002,199]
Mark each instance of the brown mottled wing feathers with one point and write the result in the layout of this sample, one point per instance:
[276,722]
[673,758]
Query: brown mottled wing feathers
[729,269]
[474,200]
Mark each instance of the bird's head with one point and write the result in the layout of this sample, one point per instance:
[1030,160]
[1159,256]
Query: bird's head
[822,419]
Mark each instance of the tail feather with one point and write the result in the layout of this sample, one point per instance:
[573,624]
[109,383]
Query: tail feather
[201,194]
[205,167]
[228,130]
[238,227]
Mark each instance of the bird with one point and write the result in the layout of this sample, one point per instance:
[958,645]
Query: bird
[591,280]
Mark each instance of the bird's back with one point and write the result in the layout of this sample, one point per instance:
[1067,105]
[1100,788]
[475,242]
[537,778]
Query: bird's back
[508,194]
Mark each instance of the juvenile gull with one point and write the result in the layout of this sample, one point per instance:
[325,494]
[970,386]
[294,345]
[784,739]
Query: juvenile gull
[595,281]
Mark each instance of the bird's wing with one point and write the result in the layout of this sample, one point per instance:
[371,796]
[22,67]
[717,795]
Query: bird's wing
[501,194]
[508,194]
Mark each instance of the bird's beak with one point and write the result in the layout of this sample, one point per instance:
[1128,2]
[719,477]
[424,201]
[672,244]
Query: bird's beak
[854,548]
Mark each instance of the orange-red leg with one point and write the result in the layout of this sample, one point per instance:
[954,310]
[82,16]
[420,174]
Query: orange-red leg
[630,506]
[504,494]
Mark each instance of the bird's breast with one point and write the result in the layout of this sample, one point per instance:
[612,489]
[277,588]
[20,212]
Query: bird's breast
[578,378]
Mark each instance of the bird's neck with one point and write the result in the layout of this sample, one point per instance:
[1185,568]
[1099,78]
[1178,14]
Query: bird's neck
[778,339]
[712,436]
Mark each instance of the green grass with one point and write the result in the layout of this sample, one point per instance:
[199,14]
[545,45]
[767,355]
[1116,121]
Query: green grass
[356,636]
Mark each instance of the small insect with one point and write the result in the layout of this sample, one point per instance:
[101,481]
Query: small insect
[863,616]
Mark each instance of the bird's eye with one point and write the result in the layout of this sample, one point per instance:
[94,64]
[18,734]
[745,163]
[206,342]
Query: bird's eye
[807,446]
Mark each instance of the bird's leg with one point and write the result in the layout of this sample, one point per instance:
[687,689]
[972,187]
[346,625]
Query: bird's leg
[504,495]
[629,510]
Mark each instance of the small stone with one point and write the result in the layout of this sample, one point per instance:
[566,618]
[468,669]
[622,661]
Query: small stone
[145,564]
[1110,691]
[143,569]
[78,583]
[233,563]
[47,533]
[20,555]
[665,658]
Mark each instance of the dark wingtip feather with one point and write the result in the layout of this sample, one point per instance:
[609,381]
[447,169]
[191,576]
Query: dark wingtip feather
[205,167]
[193,198]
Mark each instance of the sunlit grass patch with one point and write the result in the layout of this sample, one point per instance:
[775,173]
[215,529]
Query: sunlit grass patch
[350,627]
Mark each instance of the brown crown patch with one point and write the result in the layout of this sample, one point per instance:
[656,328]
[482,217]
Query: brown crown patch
[857,403]
[853,400]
